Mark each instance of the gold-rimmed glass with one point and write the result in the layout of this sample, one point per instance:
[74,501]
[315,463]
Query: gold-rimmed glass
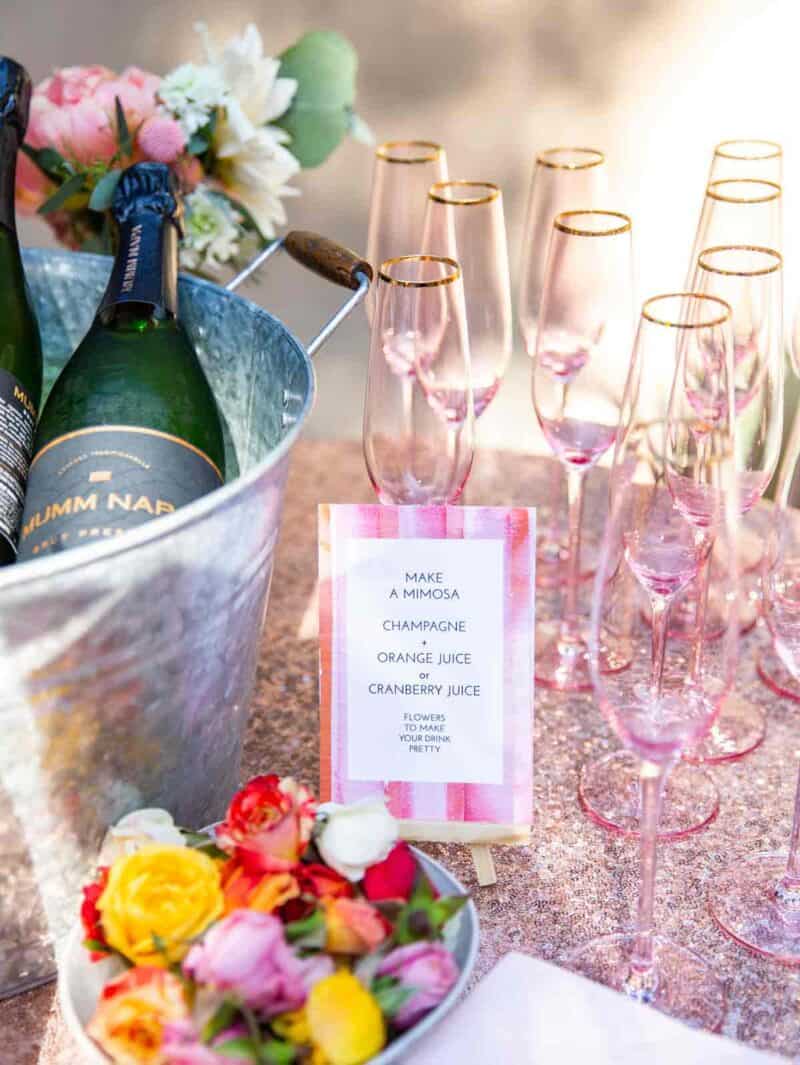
[563,179]
[753,158]
[739,211]
[750,279]
[464,220]
[418,414]
[403,172]
[579,371]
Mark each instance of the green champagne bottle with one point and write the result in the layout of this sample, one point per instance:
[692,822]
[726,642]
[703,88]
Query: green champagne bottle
[131,429]
[20,346]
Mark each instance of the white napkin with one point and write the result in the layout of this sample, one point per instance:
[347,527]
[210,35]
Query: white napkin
[529,1012]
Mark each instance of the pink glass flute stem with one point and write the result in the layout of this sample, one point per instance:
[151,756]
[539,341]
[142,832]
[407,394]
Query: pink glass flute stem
[703,572]
[660,611]
[653,778]
[791,881]
[570,623]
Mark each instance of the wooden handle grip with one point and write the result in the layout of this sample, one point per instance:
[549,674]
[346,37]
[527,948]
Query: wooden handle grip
[326,258]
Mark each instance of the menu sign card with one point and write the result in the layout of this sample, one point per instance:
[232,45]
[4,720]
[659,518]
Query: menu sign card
[426,665]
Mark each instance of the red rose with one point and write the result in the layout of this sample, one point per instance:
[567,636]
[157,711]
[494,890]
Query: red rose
[90,915]
[323,882]
[268,824]
[393,878]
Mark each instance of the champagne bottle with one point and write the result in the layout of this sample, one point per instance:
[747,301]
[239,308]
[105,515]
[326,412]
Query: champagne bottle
[20,346]
[131,430]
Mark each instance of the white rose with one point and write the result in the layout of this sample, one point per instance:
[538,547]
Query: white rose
[351,838]
[137,829]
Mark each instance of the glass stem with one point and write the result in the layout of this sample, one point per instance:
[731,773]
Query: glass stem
[570,625]
[700,615]
[791,880]
[660,609]
[652,789]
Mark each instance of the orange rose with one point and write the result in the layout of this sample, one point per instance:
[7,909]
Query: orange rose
[353,926]
[132,1012]
[256,891]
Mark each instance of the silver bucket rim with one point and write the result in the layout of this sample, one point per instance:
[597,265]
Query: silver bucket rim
[39,569]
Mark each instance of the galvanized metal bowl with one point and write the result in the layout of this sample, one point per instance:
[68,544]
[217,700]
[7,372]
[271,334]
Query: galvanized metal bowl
[128,665]
[80,980]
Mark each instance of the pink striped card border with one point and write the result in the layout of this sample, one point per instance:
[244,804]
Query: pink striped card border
[508,803]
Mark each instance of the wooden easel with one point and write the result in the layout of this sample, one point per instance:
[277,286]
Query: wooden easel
[479,836]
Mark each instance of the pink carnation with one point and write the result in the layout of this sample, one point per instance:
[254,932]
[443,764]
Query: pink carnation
[247,953]
[161,139]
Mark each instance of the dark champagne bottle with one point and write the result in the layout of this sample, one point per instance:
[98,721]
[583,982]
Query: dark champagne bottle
[131,429]
[20,346]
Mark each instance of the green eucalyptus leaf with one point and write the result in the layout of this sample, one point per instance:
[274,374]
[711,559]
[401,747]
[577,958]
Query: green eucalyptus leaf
[324,64]
[276,1052]
[241,1049]
[103,192]
[221,1019]
[197,144]
[392,998]
[71,187]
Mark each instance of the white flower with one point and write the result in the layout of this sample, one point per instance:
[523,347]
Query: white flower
[191,93]
[212,231]
[253,162]
[352,838]
[137,829]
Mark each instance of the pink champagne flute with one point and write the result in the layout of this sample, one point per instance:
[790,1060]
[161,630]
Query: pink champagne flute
[756,900]
[750,279]
[578,380]
[402,174]
[464,220]
[658,551]
[656,542]
[563,179]
[418,420]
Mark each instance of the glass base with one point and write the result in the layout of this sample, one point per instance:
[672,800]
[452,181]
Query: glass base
[552,555]
[776,676]
[679,983]
[563,665]
[739,729]
[609,792]
[744,904]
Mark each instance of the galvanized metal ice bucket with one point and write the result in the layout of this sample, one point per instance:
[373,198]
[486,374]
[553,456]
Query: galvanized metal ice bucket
[126,667]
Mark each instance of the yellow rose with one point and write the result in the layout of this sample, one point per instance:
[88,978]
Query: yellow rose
[344,1020]
[157,900]
[130,1016]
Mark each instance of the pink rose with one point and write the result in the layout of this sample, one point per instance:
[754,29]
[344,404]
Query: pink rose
[136,90]
[247,953]
[161,139]
[181,1045]
[427,968]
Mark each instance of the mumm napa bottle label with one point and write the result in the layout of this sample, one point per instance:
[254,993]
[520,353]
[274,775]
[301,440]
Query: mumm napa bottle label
[99,480]
[20,346]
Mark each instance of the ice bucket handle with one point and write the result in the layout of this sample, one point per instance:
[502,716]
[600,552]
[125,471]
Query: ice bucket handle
[326,258]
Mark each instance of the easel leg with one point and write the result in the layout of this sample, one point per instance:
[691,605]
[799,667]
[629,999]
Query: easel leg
[484,864]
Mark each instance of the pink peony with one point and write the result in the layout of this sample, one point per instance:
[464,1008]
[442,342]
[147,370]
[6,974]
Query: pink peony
[246,953]
[182,1046]
[428,969]
[161,139]
[74,111]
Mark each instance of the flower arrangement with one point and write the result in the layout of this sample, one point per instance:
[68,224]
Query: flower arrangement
[295,933]
[236,128]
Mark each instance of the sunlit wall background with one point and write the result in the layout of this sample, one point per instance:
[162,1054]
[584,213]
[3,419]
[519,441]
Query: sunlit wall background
[655,83]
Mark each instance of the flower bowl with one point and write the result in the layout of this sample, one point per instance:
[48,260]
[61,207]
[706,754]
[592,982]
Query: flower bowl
[81,980]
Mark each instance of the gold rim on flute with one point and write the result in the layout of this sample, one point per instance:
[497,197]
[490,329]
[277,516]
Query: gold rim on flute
[437,192]
[623,223]
[385,275]
[547,158]
[429,151]
[684,296]
[773,149]
[770,190]
[770,253]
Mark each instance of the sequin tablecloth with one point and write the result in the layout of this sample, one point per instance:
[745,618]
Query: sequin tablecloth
[575,881]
